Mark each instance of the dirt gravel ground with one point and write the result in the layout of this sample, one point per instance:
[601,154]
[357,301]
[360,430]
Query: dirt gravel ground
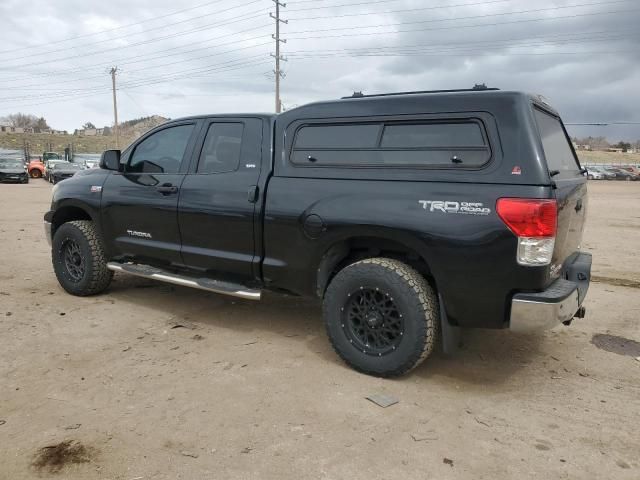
[151,381]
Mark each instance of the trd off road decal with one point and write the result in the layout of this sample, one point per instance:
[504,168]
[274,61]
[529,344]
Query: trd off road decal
[450,206]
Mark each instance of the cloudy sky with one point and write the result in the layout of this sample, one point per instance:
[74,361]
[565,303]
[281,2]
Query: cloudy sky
[190,57]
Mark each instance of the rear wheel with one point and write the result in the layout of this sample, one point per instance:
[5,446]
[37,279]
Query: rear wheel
[35,173]
[381,316]
[78,259]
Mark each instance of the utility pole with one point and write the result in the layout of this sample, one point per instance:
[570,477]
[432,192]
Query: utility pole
[115,103]
[278,73]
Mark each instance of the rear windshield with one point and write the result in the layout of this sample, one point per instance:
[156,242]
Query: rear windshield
[557,149]
[401,144]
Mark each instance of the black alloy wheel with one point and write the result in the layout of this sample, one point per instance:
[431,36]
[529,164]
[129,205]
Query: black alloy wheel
[73,260]
[372,321]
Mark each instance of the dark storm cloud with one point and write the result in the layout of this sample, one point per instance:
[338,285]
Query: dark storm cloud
[584,60]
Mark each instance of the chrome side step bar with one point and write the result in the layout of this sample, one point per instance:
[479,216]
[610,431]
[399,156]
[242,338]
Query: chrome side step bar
[207,284]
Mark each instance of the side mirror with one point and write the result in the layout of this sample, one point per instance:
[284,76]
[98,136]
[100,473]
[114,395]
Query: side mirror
[110,160]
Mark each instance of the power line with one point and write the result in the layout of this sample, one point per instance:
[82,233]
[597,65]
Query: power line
[374,2]
[155,81]
[145,42]
[165,53]
[158,54]
[456,27]
[112,29]
[418,9]
[152,80]
[438,20]
[225,22]
[558,39]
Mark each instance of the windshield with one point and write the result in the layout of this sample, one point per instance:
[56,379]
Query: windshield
[10,163]
[50,156]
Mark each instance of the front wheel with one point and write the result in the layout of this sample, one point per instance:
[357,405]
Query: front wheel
[79,260]
[381,316]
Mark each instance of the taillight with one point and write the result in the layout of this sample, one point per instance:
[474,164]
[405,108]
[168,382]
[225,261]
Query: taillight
[535,223]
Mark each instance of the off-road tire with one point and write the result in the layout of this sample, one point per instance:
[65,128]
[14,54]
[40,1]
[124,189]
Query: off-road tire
[35,173]
[96,277]
[415,299]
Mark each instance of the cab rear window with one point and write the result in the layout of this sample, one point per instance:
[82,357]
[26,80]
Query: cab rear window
[557,150]
[460,143]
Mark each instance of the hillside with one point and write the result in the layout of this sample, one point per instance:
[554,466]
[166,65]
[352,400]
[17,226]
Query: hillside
[40,142]
[608,157]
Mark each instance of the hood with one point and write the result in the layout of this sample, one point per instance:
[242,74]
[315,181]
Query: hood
[64,171]
[11,170]
[92,171]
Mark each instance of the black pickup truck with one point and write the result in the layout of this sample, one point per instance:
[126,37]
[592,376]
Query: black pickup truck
[408,214]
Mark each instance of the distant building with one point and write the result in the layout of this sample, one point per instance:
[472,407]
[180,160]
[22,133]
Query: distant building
[582,147]
[89,132]
[10,129]
[615,149]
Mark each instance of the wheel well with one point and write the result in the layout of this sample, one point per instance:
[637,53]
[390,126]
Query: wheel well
[68,214]
[359,248]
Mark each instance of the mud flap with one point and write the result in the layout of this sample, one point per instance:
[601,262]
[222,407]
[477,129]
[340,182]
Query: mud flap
[451,335]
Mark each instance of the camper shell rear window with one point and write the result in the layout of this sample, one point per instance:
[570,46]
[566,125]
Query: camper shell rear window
[460,143]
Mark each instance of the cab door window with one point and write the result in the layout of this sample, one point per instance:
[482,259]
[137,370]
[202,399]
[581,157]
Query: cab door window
[221,150]
[161,152]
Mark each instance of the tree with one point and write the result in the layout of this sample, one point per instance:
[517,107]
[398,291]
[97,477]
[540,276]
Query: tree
[625,146]
[21,120]
[41,124]
[25,120]
[88,125]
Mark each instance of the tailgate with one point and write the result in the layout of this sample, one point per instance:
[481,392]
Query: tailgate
[571,187]
[572,206]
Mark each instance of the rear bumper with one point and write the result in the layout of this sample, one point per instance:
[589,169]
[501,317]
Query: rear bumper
[15,178]
[559,303]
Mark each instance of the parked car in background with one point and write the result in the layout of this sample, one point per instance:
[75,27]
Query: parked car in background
[62,170]
[598,172]
[36,167]
[13,171]
[48,166]
[88,160]
[594,173]
[51,156]
[621,174]
[633,170]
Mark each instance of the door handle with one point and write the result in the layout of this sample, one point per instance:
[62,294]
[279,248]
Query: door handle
[252,194]
[167,188]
